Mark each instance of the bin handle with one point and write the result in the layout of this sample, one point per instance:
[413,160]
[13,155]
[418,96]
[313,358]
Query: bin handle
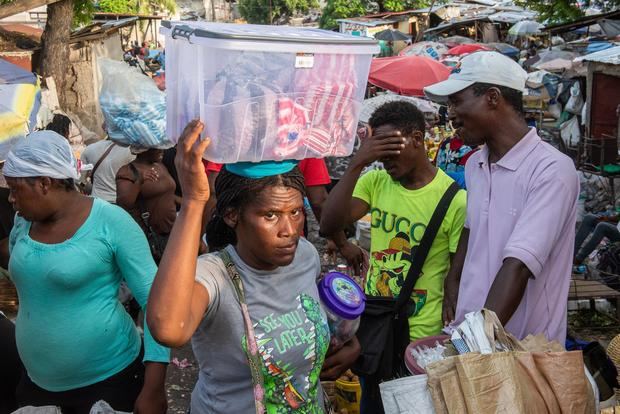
[182,31]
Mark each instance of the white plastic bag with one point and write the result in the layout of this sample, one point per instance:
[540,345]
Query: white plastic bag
[102,407]
[408,395]
[570,132]
[48,409]
[555,110]
[575,102]
[133,107]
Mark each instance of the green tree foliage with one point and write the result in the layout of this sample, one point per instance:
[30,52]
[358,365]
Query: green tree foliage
[118,6]
[341,9]
[554,11]
[84,9]
[562,11]
[269,11]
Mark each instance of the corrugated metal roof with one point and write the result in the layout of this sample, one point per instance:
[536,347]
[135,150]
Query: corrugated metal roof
[611,56]
[363,21]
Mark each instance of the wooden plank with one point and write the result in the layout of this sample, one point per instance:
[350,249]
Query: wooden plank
[587,289]
[19,6]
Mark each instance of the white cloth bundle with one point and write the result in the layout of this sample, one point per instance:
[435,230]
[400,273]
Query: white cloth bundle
[42,154]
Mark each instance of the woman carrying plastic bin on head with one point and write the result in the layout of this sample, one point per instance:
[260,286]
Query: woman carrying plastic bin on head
[68,255]
[252,309]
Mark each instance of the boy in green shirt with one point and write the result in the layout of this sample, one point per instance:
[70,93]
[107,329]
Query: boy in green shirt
[401,200]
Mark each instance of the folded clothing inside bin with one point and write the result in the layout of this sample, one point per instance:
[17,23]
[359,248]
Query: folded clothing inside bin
[270,118]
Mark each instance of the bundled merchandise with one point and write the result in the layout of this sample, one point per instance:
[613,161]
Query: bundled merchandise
[484,369]
[424,355]
[507,375]
[133,107]
[267,92]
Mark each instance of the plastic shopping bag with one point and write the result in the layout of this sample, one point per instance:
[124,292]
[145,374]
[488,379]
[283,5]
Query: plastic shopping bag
[570,132]
[575,102]
[133,107]
[408,395]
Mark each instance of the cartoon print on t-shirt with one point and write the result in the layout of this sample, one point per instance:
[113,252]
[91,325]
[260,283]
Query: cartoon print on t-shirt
[304,331]
[389,270]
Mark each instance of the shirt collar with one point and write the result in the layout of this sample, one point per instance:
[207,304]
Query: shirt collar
[517,154]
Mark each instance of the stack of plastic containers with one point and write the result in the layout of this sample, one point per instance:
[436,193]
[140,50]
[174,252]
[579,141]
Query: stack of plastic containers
[266,92]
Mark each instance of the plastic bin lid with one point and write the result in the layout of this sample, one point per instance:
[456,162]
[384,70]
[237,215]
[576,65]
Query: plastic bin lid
[255,32]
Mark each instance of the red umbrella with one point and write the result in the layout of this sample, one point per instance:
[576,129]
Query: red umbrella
[407,75]
[467,48]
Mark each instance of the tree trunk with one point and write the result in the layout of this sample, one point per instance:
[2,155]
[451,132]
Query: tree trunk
[54,60]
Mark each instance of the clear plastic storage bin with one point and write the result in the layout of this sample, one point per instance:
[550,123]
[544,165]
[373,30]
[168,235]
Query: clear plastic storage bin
[266,92]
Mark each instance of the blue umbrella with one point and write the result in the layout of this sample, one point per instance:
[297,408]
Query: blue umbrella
[504,48]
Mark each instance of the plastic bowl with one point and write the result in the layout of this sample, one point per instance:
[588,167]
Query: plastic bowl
[429,341]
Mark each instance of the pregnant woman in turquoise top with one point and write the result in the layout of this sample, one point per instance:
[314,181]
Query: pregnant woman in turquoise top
[68,255]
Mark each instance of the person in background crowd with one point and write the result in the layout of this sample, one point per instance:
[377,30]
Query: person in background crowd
[599,228]
[317,179]
[77,343]
[452,156]
[257,225]
[146,190]
[108,158]
[401,200]
[212,170]
[61,124]
[515,255]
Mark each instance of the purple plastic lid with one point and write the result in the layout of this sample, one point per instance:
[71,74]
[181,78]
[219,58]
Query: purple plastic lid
[341,295]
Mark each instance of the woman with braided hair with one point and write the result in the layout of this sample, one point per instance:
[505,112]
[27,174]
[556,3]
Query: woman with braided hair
[252,308]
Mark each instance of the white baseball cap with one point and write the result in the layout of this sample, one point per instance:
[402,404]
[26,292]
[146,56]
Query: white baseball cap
[479,67]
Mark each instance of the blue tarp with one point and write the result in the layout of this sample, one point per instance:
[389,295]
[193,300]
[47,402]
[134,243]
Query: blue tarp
[598,46]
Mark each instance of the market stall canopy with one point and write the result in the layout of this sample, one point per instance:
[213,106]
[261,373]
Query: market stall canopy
[526,28]
[548,55]
[407,75]
[504,48]
[20,98]
[434,50]
[604,56]
[467,48]
[452,41]
[511,16]
[391,35]
[370,105]
[555,65]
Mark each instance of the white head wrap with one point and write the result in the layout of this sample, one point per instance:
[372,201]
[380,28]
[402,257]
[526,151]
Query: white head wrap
[41,154]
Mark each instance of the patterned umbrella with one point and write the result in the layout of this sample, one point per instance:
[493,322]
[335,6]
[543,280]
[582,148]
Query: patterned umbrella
[20,98]
[434,50]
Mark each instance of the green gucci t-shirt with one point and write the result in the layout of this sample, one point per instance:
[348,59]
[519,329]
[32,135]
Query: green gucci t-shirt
[398,220]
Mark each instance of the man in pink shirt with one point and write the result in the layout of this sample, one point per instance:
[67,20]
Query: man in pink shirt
[515,254]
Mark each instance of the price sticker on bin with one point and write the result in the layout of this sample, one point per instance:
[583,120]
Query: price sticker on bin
[304,60]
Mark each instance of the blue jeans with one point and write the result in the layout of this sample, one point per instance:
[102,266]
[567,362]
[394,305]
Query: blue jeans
[599,230]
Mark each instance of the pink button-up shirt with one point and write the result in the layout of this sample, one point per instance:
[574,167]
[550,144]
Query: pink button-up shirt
[523,207]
